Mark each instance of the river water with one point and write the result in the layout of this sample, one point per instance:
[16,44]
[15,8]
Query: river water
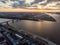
[46,29]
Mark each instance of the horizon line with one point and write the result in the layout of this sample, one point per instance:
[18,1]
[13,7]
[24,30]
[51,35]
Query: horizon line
[27,10]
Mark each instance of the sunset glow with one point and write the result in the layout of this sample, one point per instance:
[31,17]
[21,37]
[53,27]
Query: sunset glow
[26,10]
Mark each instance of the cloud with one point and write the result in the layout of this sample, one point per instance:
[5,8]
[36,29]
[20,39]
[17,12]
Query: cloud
[46,4]
[42,2]
[55,4]
[9,4]
[49,4]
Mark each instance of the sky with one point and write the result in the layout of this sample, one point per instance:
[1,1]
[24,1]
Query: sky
[29,1]
[45,4]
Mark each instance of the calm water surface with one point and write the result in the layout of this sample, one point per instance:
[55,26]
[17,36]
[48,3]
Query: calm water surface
[47,29]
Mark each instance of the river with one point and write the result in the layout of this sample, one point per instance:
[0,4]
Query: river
[47,29]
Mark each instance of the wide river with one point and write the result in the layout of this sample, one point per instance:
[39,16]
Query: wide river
[47,29]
